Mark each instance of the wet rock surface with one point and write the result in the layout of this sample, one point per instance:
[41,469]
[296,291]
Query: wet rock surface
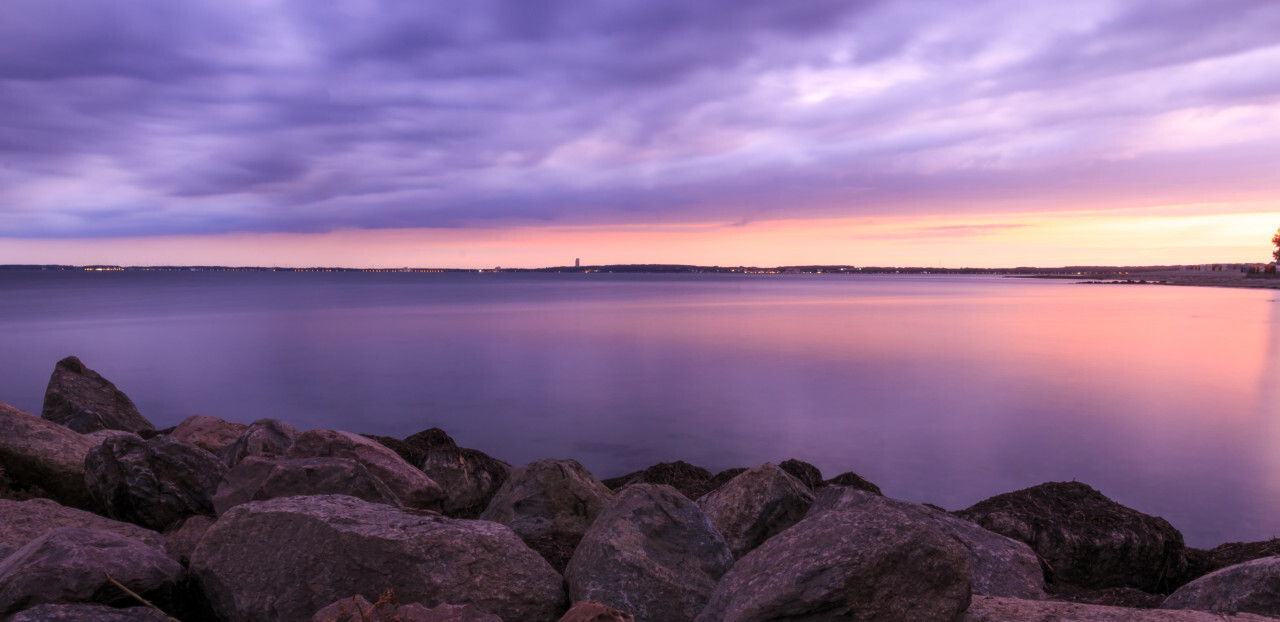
[44,458]
[411,487]
[70,564]
[1085,538]
[692,481]
[24,521]
[153,483]
[248,561]
[755,506]
[78,396]
[1251,587]
[264,438]
[847,565]
[1000,566]
[550,504]
[259,479]
[651,553]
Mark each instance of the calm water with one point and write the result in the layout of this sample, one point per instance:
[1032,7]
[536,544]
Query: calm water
[939,389]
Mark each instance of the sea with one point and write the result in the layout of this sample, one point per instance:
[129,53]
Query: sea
[944,389]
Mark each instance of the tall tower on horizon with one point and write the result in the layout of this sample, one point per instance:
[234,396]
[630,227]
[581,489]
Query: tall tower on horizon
[577,263]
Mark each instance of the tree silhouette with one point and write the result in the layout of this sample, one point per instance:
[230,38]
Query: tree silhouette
[1276,240]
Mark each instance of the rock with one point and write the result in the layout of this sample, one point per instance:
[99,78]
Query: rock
[1107,596]
[1201,562]
[431,437]
[591,611]
[692,481]
[993,609]
[74,388]
[652,553]
[470,478]
[388,609]
[250,559]
[154,483]
[1085,538]
[208,433]
[803,471]
[1000,566]
[847,565]
[259,479]
[411,454]
[88,613]
[409,485]
[265,438]
[24,521]
[70,564]
[1252,587]
[755,506]
[182,539]
[723,478]
[853,480]
[101,435]
[44,455]
[549,504]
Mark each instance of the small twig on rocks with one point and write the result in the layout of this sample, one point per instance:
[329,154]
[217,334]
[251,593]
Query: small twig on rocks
[136,597]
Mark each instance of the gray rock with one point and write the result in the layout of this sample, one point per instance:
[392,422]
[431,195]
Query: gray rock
[182,539]
[1001,566]
[69,565]
[995,609]
[24,521]
[259,479]
[651,553]
[208,433]
[264,438]
[411,486]
[1087,539]
[691,480]
[74,389]
[249,561]
[101,435]
[470,478]
[357,609]
[808,474]
[35,453]
[847,565]
[755,506]
[549,504]
[154,483]
[88,613]
[1252,587]
[592,611]
[853,480]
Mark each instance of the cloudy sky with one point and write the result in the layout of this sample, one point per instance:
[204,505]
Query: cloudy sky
[527,133]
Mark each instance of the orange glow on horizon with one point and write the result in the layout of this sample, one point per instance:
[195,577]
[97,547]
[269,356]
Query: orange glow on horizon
[1167,236]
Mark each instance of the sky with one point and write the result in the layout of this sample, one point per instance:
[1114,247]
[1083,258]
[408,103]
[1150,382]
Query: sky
[528,133]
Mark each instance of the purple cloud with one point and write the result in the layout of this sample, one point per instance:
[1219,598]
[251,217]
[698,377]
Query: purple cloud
[150,118]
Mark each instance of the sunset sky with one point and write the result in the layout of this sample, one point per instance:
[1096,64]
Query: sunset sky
[528,133]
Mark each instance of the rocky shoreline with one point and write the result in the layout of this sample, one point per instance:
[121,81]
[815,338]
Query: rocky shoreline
[105,518]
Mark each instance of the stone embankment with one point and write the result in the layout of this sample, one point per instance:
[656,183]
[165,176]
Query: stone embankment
[105,518]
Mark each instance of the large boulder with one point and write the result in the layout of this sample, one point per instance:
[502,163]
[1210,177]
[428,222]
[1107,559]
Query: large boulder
[154,483]
[847,565]
[549,504]
[651,553]
[803,471]
[74,388]
[43,457]
[1085,538]
[470,478]
[692,481]
[259,479]
[24,521]
[72,565]
[411,486]
[264,438]
[1252,587]
[388,609]
[88,613]
[755,506]
[1000,566]
[250,561]
[181,539]
[853,480]
[997,609]
[208,433]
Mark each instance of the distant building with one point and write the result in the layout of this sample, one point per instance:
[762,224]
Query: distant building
[577,263]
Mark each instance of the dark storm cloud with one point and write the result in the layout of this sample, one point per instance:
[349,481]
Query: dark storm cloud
[142,117]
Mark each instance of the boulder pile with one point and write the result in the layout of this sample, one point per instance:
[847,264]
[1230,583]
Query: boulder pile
[105,518]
